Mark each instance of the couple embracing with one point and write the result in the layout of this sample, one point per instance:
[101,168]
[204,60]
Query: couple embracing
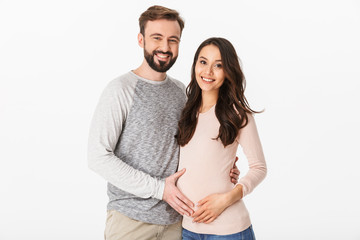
[168,153]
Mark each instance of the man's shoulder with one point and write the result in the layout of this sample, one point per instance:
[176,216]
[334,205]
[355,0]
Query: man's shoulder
[178,83]
[120,86]
[123,81]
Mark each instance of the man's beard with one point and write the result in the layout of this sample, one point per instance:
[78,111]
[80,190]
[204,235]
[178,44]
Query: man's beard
[161,66]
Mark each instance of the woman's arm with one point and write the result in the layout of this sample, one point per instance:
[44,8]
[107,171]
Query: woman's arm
[249,140]
[213,205]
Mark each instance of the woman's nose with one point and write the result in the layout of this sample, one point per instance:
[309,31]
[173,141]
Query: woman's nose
[208,70]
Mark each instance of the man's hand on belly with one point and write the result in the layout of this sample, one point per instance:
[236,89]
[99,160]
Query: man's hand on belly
[174,197]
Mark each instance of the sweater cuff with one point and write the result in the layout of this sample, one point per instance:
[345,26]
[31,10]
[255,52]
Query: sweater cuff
[160,189]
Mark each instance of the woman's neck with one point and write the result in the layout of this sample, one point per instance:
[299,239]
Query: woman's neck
[208,99]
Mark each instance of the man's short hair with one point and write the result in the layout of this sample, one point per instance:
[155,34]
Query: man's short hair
[159,12]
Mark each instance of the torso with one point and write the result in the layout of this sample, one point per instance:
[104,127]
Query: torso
[208,165]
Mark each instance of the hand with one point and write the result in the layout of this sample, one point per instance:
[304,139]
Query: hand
[174,197]
[234,173]
[210,208]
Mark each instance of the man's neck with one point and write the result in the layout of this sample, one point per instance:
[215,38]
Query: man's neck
[145,71]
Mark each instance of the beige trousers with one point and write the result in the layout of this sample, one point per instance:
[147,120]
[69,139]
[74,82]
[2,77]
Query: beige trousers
[119,227]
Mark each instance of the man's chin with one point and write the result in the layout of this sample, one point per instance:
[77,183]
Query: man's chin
[158,65]
[161,69]
[162,63]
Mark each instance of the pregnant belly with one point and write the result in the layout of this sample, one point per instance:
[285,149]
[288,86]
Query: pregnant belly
[196,185]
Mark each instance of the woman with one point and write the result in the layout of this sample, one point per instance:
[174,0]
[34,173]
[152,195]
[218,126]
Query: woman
[215,120]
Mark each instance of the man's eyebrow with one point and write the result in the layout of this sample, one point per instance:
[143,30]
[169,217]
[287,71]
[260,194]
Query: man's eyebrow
[176,37]
[156,34]
[160,35]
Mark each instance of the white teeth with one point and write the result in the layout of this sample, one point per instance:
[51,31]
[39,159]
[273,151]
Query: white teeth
[207,79]
[162,56]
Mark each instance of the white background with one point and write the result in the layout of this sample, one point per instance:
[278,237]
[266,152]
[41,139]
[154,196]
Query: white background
[302,63]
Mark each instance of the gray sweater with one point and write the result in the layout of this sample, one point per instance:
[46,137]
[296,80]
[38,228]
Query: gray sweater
[132,144]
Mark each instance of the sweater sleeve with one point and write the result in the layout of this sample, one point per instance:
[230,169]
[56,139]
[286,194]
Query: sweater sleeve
[105,130]
[250,142]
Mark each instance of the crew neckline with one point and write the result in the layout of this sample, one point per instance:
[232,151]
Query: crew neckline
[210,109]
[150,81]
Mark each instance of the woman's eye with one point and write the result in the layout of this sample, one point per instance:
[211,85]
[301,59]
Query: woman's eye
[218,65]
[202,62]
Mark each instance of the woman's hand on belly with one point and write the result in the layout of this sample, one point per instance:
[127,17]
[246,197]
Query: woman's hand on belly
[210,207]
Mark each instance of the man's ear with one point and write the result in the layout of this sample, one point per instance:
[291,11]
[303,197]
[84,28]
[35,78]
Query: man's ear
[141,40]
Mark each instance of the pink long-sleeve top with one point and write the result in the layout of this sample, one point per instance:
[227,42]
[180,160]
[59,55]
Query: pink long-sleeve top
[208,164]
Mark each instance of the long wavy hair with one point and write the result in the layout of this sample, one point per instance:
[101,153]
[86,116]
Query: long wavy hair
[231,106]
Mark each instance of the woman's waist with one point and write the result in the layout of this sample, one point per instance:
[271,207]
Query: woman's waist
[233,219]
[198,187]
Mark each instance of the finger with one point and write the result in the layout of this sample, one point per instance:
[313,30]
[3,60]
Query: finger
[236,159]
[200,217]
[186,203]
[184,208]
[234,179]
[206,218]
[234,175]
[202,201]
[198,212]
[184,199]
[210,220]
[235,171]
[176,203]
[179,174]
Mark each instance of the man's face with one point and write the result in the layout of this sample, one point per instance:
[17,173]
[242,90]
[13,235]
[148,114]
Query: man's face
[161,43]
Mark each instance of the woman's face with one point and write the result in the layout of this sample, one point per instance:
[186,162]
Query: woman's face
[208,69]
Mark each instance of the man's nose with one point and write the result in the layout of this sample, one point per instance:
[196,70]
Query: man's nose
[164,47]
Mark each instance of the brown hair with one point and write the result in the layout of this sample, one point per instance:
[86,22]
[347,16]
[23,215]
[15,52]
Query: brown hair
[159,12]
[231,106]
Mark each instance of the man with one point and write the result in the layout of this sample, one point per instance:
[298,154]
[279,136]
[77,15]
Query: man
[132,137]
